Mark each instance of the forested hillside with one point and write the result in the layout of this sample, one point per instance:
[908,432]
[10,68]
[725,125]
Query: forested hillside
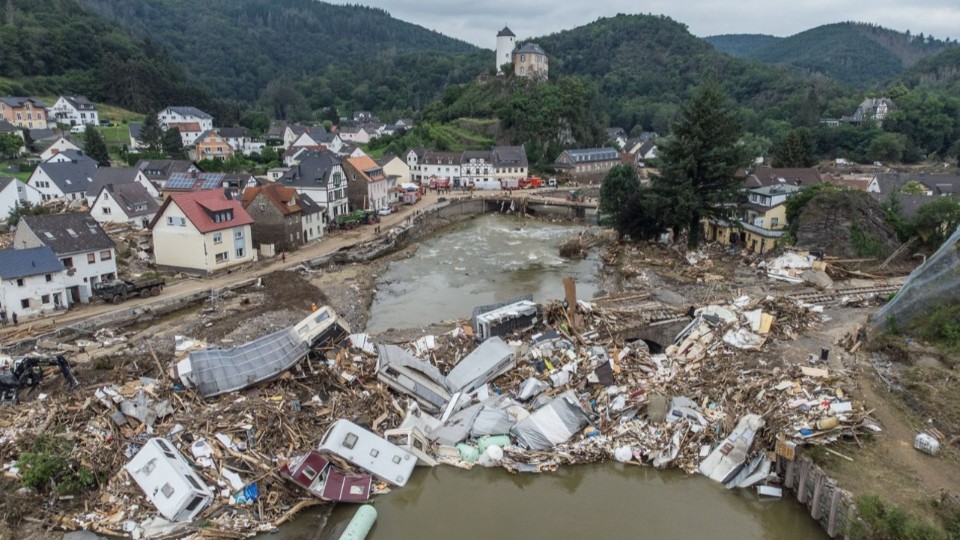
[740,45]
[854,53]
[643,66]
[55,46]
[940,71]
[237,47]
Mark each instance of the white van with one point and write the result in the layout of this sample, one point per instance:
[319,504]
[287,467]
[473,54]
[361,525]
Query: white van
[78,129]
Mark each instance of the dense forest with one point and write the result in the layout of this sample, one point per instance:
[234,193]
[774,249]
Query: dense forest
[237,47]
[643,67]
[854,53]
[49,47]
[941,71]
[740,45]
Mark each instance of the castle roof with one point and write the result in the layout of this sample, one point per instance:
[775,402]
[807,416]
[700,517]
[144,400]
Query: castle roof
[506,32]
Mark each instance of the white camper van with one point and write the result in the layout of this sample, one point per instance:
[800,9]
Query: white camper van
[169,481]
[367,450]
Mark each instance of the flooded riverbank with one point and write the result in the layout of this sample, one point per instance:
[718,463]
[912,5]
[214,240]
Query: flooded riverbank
[592,501]
[482,261]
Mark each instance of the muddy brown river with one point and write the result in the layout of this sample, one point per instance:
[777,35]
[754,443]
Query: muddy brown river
[494,258]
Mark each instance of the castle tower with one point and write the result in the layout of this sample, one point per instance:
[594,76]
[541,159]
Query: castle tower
[505,45]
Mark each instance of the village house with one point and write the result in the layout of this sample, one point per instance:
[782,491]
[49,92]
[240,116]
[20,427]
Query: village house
[282,217]
[211,145]
[118,176]
[394,167]
[405,123]
[189,131]
[321,176]
[930,185]
[128,203]
[184,115]
[357,134]
[14,194]
[642,152]
[202,232]
[68,180]
[367,185]
[237,137]
[475,166]
[75,111]
[159,171]
[83,247]
[770,176]
[31,282]
[24,112]
[191,181]
[444,166]
[509,163]
[58,146]
[587,161]
[618,136]
[413,158]
[760,223]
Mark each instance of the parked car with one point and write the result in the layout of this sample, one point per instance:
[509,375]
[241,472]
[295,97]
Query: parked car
[78,129]
[552,182]
[385,211]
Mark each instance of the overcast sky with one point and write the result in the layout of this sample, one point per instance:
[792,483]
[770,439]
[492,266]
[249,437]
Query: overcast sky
[478,21]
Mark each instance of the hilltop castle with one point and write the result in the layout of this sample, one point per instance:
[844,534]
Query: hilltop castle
[528,59]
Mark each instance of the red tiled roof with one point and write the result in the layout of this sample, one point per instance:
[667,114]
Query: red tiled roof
[190,127]
[196,204]
[279,195]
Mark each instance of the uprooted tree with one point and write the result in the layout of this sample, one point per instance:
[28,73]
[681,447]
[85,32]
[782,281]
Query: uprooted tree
[697,176]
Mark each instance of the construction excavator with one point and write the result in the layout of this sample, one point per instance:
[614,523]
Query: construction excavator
[27,372]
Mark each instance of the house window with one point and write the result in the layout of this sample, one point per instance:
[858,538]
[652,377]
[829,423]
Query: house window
[91,258]
[20,282]
[48,277]
[176,221]
[68,262]
[240,253]
[222,257]
[217,238]
[25,304]
[350,441]
[106,210]
[238,234]
[774,222]
[106,255]
[45,299]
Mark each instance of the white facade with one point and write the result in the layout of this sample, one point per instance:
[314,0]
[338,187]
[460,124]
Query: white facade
[84,268]
[106,209]
[33,295]
[443,171]
[379,191]
[65,113]
[177,243]
[398,168]
[476,169]
[61,145]
[47,188]
[312,225]
[361,136]
[170,116]
[15,194]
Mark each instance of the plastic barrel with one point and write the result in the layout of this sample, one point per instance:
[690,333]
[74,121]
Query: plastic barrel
[360,525]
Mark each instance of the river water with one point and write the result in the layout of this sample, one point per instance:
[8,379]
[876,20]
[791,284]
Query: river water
[489,259]
[494,258]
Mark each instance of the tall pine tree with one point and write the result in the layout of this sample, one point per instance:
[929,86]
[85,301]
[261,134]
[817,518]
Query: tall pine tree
[698,166]
[151,134]
[95,147]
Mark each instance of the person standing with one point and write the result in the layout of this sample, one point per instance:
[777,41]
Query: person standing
[15,322]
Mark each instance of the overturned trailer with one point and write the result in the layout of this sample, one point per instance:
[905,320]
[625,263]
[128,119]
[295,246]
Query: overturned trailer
[367,450]
[409,375]
[219,371]
[314,473]
[513,315]
[491,359]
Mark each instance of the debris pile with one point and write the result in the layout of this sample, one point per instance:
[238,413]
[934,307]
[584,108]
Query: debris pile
[568,390]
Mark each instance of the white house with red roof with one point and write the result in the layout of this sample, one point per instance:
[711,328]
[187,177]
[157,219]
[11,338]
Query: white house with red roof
[202,232]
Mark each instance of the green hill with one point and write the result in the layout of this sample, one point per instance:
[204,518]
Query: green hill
[49,47]
[237,47]
[854,53]
[644,65]
[942,70]
[740,45]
